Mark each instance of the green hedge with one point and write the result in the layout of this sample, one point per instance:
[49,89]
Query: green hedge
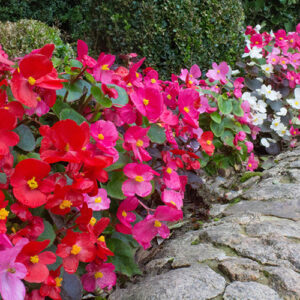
[170,33]
[21,37]
[275,14]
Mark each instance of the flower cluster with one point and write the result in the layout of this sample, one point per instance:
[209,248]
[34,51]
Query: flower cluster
[82,152]
[272,77]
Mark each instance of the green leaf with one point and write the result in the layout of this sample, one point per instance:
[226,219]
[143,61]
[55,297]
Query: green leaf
[27,140]
[122,161]
[157,134]
[216,128]
[237,109]
[75,63]
[69,113]
[216,117]
[59,106]
[123,259]
[3,178]
[100,98]
[114,187]
[122,96]
[246,128]
[225,106]
[227,137]
[48,233]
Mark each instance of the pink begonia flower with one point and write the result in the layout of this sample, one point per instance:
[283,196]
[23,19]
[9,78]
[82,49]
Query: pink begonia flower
[171,178]
[249,146]
[218,72]
[138,183]
[149,102]
[284,61]
[82,55]
[125,215]
[134,78]
[102,70]
[98,202]
[105,134]
[186,104]
[151,79]
[172,198]
[169,118]
[238,85]
[136,140]
[294,131]
[256,41]
[298,28]
[11,273]
[4,242]
[145,230]
[99,276]
[191,77]
[294,59]
[240,136]
[252,163]
[292,76]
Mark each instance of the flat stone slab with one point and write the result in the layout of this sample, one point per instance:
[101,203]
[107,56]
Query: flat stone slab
[195,283]
[249,291]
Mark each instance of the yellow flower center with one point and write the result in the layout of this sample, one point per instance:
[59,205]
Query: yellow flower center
[169,170]
[139,178]
[281,38]
[291,40]
[146,101]
[153,80]
[67,147]
[32,183]
[249,165]
[267,69]
[129,84]
[98,275]
[137,74]
[172,202]
[208,142]
[273,59]
[31,80]
[58,281]
[283,62]
[83,148]
[124,214]
[190,82]
[218,71]
[157,223]
[269,92]
[105,67]
[297,103]
[34,259]
[65,204]
[98,200]
[101,238]
[139,143]
[39,99]
[276,124]
[11,270]
[257,42]
[3,213]
[75,249]
[186,109]
[6,107]
[93,221]
[100,136]
[169,97]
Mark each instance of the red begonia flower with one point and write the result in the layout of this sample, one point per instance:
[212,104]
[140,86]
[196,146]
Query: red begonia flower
[29,186]
[206,142]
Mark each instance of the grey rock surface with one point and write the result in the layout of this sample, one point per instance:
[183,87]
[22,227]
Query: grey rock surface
[249,291]
[250,252]
[195,283]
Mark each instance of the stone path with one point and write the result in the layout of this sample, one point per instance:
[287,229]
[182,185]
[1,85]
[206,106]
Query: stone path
[250,252]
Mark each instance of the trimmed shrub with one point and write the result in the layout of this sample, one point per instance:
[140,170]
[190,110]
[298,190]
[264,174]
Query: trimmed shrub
[171,34]
[272,14]
[18,38]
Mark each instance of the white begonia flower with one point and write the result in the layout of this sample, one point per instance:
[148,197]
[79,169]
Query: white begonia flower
[248,97]
[265,142]
[258,119]
[282,112]
[254,53]
[268,69]
[235,72]
[295,103]
[269,93]
[257,28]
[277,125]
[260,106]
[260,79]
[283,132]
[251,63]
